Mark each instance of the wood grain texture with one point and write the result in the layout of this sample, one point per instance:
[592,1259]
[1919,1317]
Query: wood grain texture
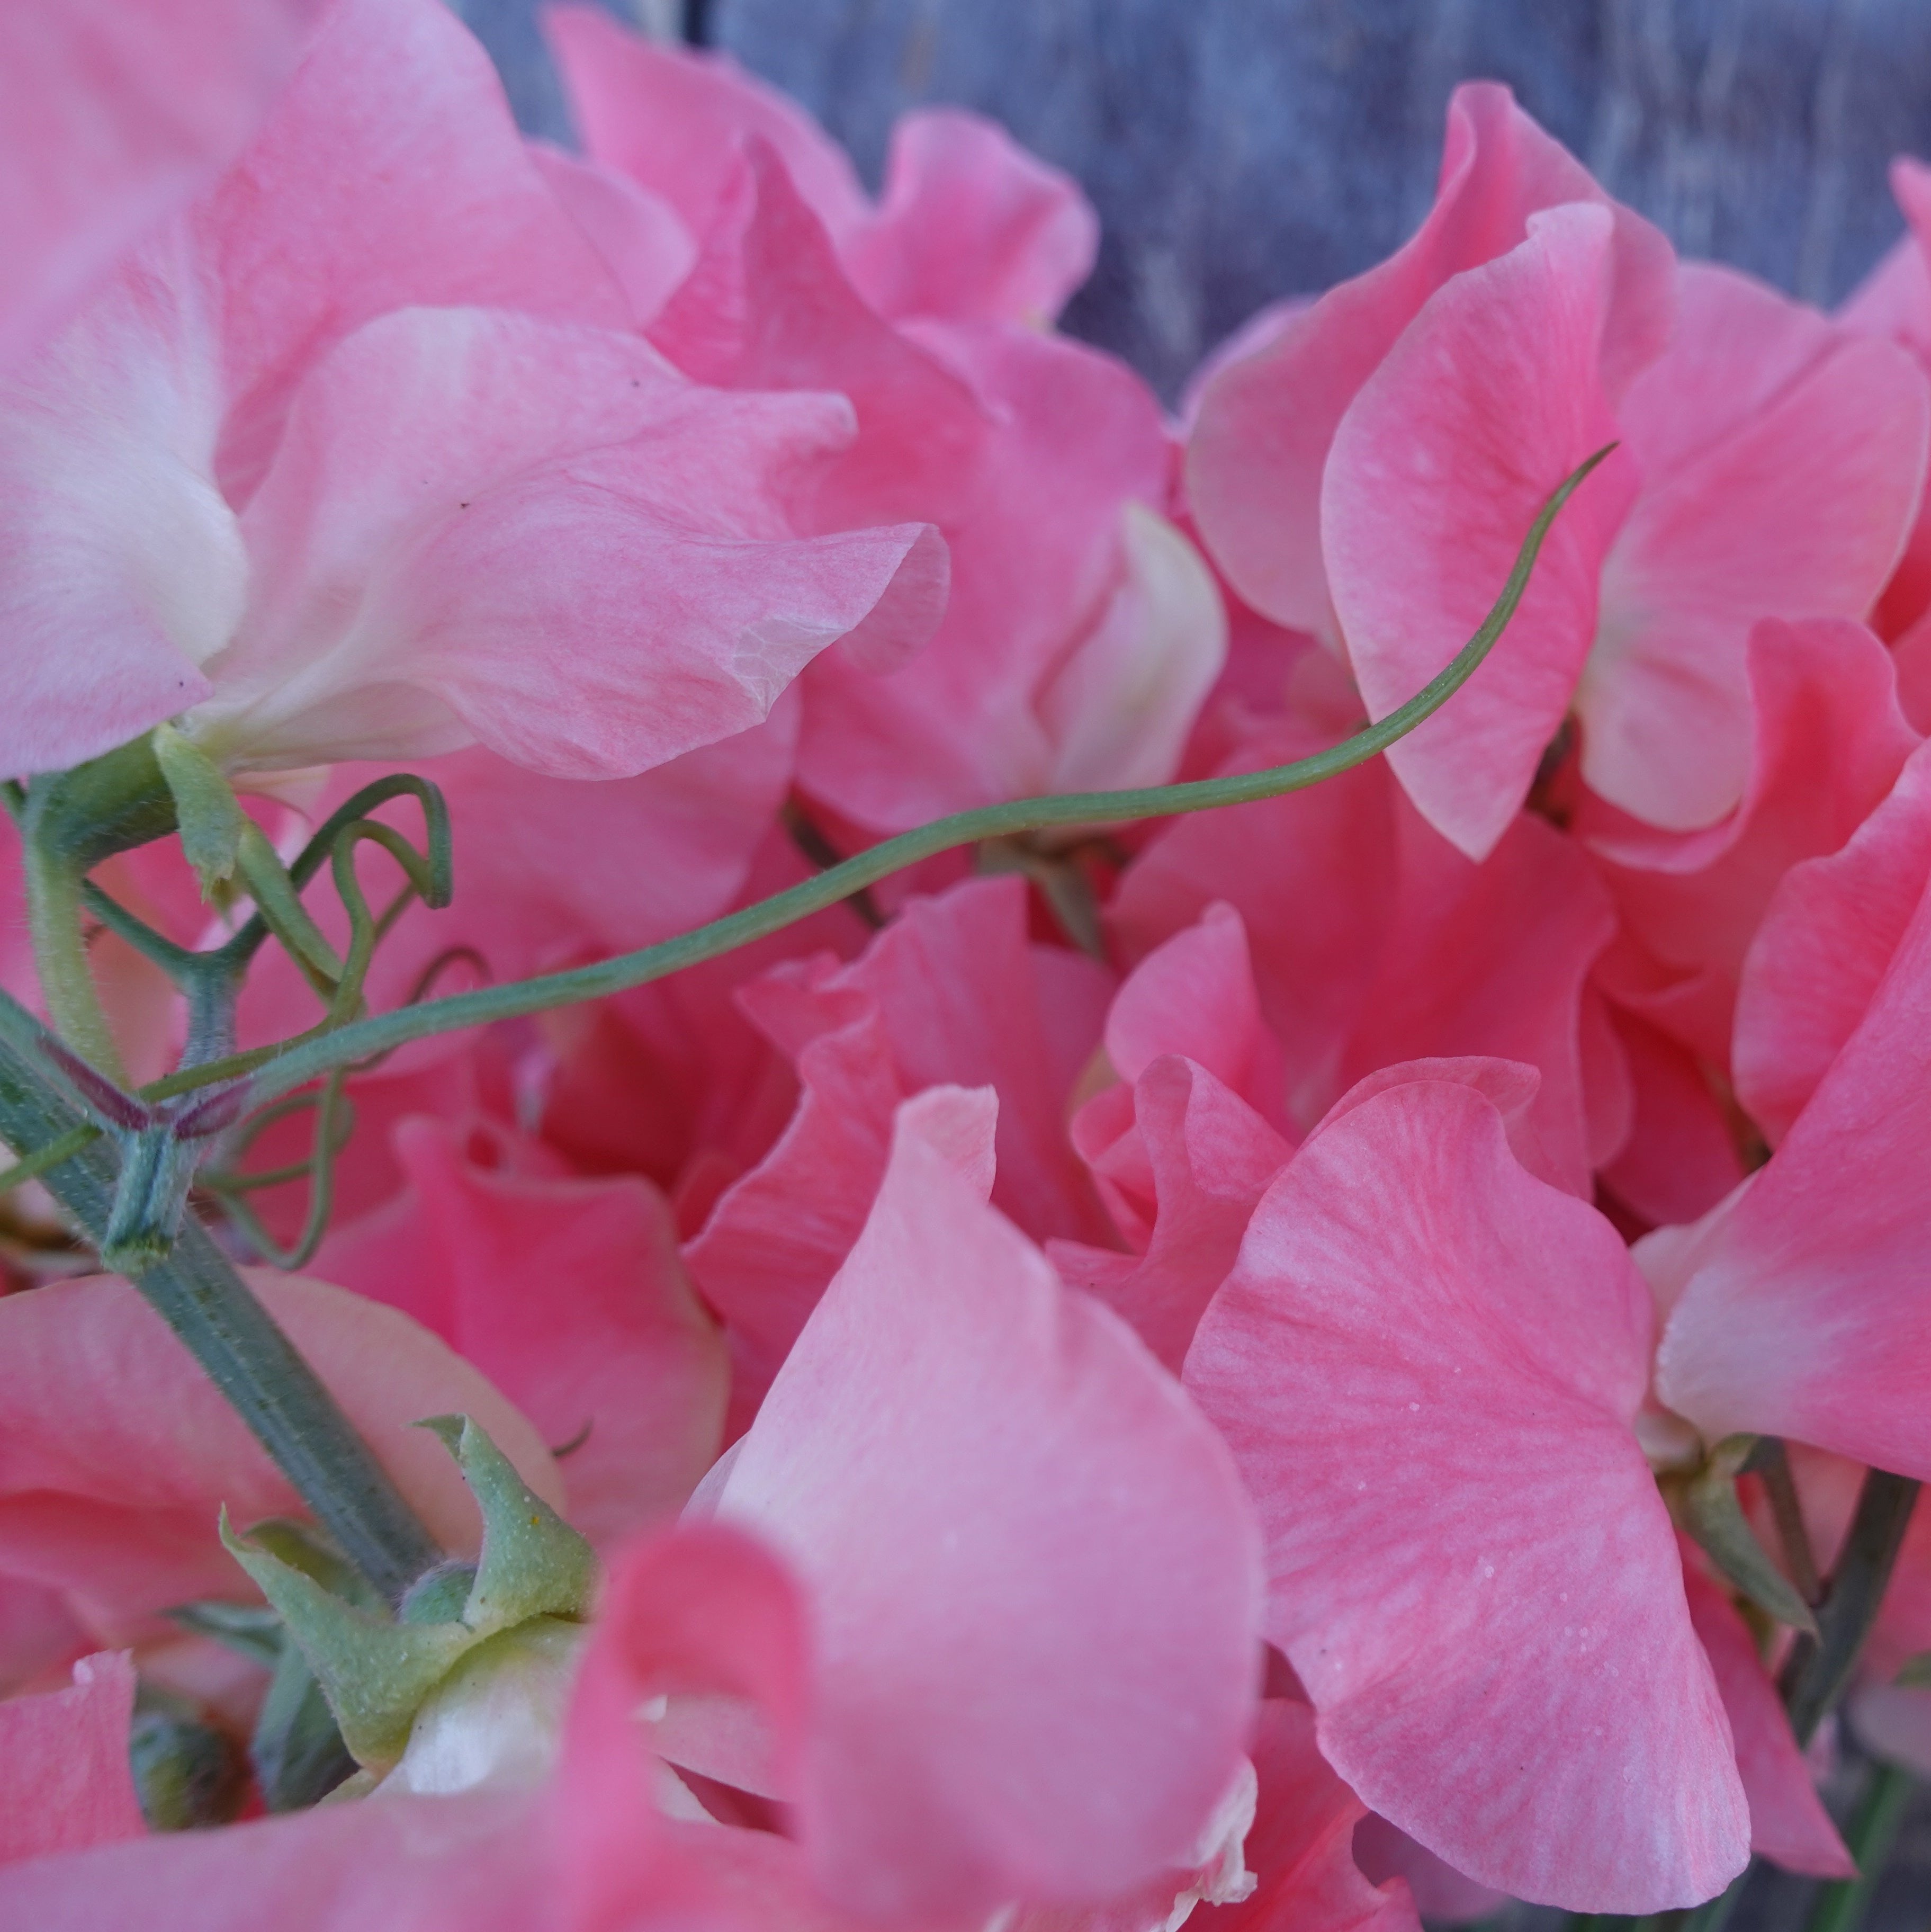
[1239,150]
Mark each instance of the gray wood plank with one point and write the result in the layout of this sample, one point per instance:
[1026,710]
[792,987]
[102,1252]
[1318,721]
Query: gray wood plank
[1240,150]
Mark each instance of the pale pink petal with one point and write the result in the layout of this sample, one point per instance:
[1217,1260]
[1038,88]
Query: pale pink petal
[1491,397]
[646,247]
[675,121]
[1266,423]
[1788,1824]
[971,226]
[569,1296]
[1806,1314]
[1826,941]
[115,114]
[391,174]
[64,1754]
[1783,461]
[117,1453]
[417,1865]
[1119,710]
[1030,1569]
[482,525]
[1827,740]
[1427,1364]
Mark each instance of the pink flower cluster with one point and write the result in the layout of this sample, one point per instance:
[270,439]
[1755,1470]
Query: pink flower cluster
[1149,1380]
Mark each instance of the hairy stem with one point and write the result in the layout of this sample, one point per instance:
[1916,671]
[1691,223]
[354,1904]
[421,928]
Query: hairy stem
[196,1290]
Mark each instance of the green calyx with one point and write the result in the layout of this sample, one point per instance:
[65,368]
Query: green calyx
[210,816]
[376,1671]
[1706,1505]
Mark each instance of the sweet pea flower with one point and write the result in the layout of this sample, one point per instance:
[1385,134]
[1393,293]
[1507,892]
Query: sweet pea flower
[356,457]
[66,1757]
[113,113]
[1083,629]
[1367,470]
[1439,1376]
[976,1604]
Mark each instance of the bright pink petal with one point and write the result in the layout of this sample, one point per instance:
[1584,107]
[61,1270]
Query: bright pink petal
[1207,1158]
[117,1454]
[1826,741]
[971,227]
[1045,584]
[1427,1364]
[1311,874]
[1788,1824]
[676,121]
[1806,1314]
[1491,397]
[1825,942]
[1680,1158]
[1030,1566]
[950,992]
[1493,960]
[1302,1847]
[1195,995]
[64,1754]
[1783,459]
[1266,422]
[115,114]
[569,1295]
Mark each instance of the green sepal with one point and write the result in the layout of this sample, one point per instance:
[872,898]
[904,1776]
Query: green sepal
[1915,1673]
[210,816]
[297,1749]
[375,1673]
[246,1629]
[1711,1513]
[533,1563]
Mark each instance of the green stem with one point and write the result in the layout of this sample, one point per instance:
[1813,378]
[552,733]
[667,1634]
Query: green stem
[282,1069]
[1840,1906]
[60,957]
[1819,1668]
[197,1292]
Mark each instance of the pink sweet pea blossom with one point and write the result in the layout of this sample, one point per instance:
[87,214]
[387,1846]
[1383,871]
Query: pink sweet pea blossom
[68,1782]
[1005,1651]
[419,489]
[1435,1372]
[1772,465]
[113,114]
[1083,630]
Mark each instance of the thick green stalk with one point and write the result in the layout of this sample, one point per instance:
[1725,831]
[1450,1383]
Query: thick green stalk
[281,1070]
[197,1292]
[1841,1905]
[1819,1668]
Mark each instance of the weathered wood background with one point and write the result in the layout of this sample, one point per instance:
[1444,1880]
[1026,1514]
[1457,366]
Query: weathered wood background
[1240,150]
